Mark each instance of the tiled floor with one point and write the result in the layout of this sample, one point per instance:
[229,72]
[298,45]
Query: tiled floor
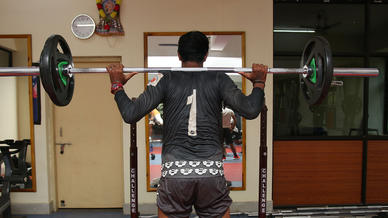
[113,214]
[98,213]
[117,213]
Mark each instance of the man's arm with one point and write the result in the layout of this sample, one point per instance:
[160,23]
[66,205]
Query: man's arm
[132,111]
[117,77]
[247,106]
[258,76]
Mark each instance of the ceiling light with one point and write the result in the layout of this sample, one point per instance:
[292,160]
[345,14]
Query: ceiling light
[293,30]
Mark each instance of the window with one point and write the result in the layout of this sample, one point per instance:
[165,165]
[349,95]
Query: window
[378,48]
[341,113]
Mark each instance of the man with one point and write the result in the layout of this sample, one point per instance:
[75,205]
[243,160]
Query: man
[192,168]
[228,124]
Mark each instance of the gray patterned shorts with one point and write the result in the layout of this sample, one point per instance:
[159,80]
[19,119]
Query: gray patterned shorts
[208,195]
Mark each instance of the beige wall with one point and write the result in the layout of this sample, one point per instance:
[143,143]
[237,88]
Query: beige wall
[43,18]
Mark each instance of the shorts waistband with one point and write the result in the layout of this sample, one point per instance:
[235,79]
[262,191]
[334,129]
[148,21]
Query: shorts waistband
[186,169]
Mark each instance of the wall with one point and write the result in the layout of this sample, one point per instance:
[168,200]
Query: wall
[43,18]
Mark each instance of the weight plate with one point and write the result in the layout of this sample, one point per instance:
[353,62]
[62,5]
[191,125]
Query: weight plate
[60,88]
[317,56]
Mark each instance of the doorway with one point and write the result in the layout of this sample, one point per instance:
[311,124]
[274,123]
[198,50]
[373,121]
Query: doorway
[88,136]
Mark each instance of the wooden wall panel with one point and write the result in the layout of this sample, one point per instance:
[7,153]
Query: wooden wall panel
[317,172]
[377,173]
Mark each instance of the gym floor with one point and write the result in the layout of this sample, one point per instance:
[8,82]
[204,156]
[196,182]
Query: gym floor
[98,213]
[117,213]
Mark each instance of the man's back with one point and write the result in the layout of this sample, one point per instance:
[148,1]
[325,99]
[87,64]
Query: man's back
[192,114]
[192,111]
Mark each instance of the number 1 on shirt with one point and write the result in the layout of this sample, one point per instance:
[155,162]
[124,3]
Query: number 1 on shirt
[192,128]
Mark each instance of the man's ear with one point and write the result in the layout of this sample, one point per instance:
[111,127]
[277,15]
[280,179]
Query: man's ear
[204,58]
[179,56]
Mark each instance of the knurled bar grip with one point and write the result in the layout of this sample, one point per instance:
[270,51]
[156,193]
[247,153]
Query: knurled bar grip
[34,71]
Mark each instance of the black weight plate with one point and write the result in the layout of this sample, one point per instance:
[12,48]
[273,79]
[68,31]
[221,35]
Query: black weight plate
[317,48]
[56,50]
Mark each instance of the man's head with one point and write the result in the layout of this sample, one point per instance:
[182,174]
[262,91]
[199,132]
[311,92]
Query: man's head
[193,46]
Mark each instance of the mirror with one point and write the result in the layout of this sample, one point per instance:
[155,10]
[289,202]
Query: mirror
[16,111]
[226,49]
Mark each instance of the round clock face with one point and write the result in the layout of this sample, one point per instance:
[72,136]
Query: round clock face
[83,26]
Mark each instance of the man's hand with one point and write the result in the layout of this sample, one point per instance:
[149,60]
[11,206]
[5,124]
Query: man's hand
[258,76]
[116,74]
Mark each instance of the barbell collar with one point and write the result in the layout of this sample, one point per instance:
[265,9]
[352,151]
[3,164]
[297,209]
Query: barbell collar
[355,72]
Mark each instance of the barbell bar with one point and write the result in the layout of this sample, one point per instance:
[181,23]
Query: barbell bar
[56,70]
[341,72]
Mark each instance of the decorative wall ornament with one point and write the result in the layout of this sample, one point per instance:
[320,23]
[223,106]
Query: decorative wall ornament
[109,24]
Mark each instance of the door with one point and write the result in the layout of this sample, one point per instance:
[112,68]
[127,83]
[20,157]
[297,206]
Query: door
[90,169]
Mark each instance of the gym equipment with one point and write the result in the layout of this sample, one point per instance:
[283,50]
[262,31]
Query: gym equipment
[262,207]
[317,56]
[133,169]
[12,174]
[21,169]
[58,86]
[56,69]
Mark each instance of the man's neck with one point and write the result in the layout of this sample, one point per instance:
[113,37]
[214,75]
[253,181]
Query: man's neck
[191,64]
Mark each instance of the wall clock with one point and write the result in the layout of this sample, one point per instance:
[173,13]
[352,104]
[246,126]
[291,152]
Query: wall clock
[83,26]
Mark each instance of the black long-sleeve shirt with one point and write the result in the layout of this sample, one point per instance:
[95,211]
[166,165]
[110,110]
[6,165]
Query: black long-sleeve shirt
[192,106]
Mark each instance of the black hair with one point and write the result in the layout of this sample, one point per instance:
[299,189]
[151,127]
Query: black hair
[193,46]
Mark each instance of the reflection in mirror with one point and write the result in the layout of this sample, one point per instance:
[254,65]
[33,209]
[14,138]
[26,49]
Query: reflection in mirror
[226,49]
[16,113]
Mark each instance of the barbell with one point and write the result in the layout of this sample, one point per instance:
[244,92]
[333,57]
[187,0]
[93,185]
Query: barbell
[315,73]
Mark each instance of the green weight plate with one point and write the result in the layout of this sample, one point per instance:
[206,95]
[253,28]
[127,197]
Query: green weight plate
[60,71]
[313,76]
[315,86]
[60,88]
